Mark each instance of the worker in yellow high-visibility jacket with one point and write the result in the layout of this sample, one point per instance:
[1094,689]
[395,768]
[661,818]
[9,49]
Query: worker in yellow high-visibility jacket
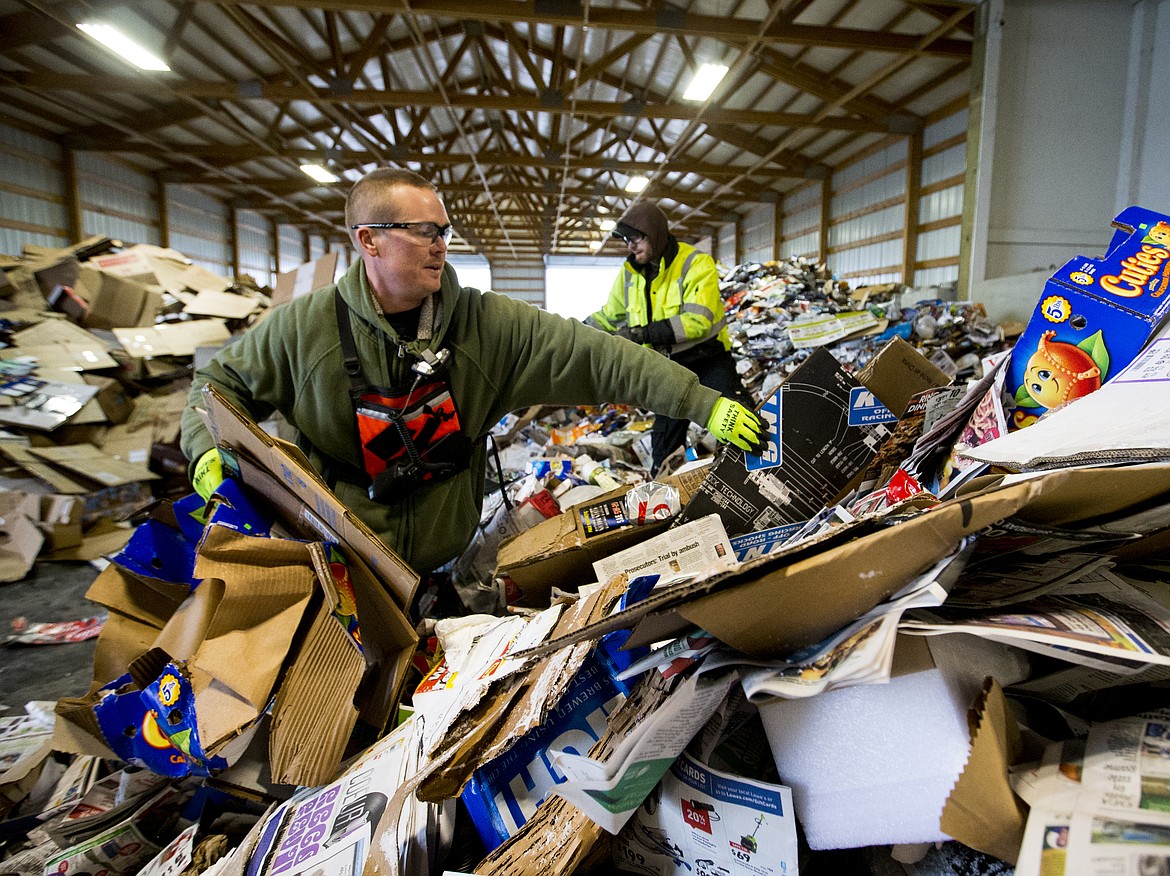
[666,296]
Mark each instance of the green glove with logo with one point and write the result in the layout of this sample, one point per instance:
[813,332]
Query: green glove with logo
[208,474]
[732,423]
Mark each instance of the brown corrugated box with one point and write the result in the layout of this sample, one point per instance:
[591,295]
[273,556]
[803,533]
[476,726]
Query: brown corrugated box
[383,584]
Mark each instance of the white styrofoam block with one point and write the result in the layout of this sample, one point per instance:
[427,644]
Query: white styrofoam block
[871,764]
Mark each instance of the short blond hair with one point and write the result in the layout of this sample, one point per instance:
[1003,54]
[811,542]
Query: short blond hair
[372,191]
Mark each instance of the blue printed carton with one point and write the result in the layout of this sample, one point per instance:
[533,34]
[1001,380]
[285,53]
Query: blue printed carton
[1094,316]
[155,727]
[502,795]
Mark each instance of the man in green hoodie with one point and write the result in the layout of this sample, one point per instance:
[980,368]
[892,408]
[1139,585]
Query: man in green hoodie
[666,296]
[394,376]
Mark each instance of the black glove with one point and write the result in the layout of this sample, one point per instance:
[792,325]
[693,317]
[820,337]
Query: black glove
[636,333]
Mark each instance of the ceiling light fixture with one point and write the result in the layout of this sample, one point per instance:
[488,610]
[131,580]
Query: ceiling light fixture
[116,41]
[706,78]
[607,225]
[319,173]
[637,184]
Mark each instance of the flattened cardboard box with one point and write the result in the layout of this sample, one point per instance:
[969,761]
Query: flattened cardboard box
[60,521]
[304,279]
[775,604]
[20,538]
[71,357]
[383,584]
[60,332]
[171,339]
[91,464]
[158,266]
[826,428]
[558,552]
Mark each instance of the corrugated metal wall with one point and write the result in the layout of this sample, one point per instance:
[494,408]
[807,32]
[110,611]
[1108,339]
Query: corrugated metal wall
[758,230]
[523,280]
[116,200]
[318,246]
[725,246]
[199,228]
[800,227]
[867,215]
[32,186]
[292,248]
[345,253]
[940,207]
[867,238]
[254,239]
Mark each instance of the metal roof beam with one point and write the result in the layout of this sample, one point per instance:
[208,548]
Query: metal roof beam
[366,97]
[668,20]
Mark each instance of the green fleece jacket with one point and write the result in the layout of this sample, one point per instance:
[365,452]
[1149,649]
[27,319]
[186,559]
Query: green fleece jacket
[505,355]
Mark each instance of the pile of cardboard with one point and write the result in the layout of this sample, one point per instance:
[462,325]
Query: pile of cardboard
[914,621]
[98,344]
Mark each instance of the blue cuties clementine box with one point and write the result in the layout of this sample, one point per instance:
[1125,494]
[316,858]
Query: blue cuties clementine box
[1094,316]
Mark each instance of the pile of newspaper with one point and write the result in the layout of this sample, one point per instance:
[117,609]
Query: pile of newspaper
[779,311]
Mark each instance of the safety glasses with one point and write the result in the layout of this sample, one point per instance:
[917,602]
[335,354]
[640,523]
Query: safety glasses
[429,232]
[631,239]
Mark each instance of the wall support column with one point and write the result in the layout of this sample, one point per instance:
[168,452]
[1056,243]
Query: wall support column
[981,110]
[234,239]
[777,228]
[73,197]
[164,213]
[910,217]
[275,231]
[826,206]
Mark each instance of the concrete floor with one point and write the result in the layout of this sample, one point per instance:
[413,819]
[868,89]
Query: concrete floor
[51,592]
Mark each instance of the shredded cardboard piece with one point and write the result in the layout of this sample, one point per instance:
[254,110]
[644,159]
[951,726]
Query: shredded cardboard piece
[314,713]
[498,720]
[982,811]
[559,836]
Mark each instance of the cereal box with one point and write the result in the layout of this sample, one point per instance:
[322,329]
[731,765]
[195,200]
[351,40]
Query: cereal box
[1093,317]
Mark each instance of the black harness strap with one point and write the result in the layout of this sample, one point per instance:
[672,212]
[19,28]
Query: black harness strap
[353,366]
[438,450]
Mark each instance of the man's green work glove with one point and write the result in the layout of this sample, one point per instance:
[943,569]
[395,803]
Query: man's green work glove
[732,423]
[208,474]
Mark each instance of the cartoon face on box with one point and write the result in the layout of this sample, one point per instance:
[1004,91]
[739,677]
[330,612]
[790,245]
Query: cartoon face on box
[1093,318]
[1072,345]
